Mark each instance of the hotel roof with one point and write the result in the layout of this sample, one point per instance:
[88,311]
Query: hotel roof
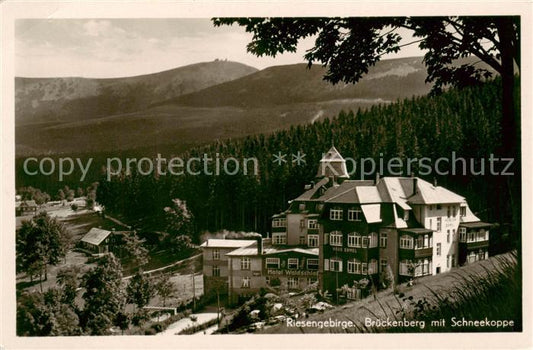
[227,243]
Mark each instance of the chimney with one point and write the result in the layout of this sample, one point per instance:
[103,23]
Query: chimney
[259,245]
[435,181]
[415,184]
[376,180]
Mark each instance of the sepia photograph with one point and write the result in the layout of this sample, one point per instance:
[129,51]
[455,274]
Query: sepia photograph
[268,175]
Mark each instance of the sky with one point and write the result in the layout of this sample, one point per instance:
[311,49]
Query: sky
[105,48]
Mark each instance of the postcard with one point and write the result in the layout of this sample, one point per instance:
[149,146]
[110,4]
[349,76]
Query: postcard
[209,174]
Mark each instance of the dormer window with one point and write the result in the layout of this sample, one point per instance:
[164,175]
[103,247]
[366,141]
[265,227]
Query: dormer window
[301,206]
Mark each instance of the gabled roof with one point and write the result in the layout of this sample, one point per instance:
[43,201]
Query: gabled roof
[332,164]
[332,155]
[429,194]
[372,212]
[392,191]
[309,251]
[368,194]
[309,194]
[345,192]
[227,243]
[250,250]
[469,217]
[95,236]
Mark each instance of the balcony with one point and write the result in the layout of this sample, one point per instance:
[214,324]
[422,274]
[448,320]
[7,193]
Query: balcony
[415,253]
[424,252]
[475,245]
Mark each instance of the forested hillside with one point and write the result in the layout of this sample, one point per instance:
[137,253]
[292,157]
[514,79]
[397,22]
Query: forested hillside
[465,121]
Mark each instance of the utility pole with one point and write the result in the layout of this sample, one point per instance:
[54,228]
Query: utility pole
[193,294]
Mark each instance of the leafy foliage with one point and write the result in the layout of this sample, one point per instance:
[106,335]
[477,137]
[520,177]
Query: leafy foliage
[104,296]
[349,46]
[139,290]
[41,241]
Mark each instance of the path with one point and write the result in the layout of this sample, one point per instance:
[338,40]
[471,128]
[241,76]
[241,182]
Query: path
[186,322]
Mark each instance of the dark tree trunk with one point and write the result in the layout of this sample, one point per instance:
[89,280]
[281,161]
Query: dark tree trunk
[511,130]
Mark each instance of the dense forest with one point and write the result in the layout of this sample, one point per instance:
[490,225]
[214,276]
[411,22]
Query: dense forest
[465,121]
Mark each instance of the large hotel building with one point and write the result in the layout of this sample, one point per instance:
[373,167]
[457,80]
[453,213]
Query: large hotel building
[340,231]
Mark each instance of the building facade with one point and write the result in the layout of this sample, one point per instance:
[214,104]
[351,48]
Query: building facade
[393,227]
[348,234]
[215,265]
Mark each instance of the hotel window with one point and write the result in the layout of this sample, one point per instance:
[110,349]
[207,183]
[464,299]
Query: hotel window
[364,268]
[448,237]
[423,268]
[438,249]
[430,207]
[365,241]
[335,214]
[301,206]
[481,235]
[335,265]
[439,224]
[453,260]
[383,263]
[279,222]
[481,255]
[471,236]
[292,263]
[302,240]
[354,266]
[439,207]
[312,224]
[406,242]
[312,264]
[449,212]
[373,267]
[216,254]
[354,240]
[447,261]
[292,282]
[267,280]
[245,282]
[373,240]
[422,242]
[216,271]
[312,241]
[302,224]
[404,268]
[272,263]
[279,239]
[383,240]
[245,263]
[326,264]
[463,211]
[462,234]
[454,233]
[454,211]
[335,238]
[354,215]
